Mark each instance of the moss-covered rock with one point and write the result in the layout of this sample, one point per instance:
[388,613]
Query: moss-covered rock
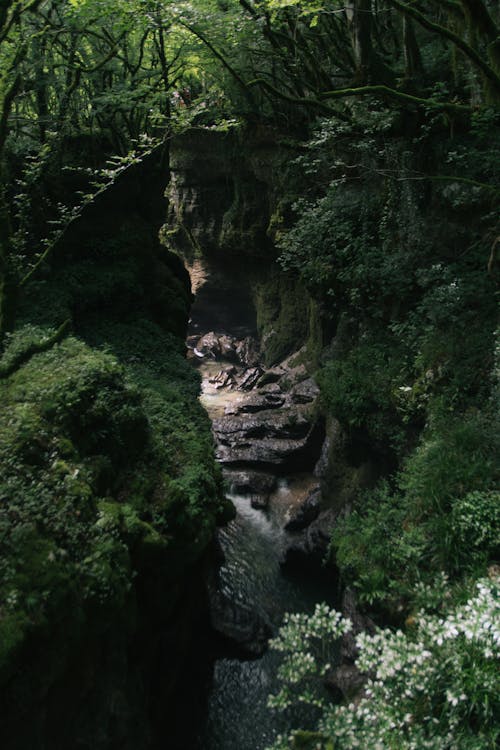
[109,493]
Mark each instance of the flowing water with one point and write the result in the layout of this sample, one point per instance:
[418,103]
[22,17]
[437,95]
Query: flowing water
[238,717]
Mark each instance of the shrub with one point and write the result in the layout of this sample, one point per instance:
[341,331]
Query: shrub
[434,687]
[441,514]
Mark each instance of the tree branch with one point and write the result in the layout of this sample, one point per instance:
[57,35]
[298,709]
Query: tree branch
[468,51]
[388,93]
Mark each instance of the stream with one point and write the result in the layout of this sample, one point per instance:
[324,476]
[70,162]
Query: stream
[253,543]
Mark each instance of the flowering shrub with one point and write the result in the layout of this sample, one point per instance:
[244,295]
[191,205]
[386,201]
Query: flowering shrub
[435,686]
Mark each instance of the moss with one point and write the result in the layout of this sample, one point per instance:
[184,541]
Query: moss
[287,318]
[107,470]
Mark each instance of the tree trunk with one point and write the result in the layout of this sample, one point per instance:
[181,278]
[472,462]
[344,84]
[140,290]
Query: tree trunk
[413,59]
[7,288]
[359,18]
[482,26]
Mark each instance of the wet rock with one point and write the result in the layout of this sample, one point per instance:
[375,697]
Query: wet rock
[247,352]
[259,502]
[227,345]
[239,624]
[208,346]
[304,392]
[250,378]
[311,546]
[306,513]
[225,378]
[250,482]
[257,402]
[191,341]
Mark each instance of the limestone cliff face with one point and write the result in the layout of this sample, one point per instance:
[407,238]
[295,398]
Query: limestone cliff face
[229,196]
[223,192]
[227,199]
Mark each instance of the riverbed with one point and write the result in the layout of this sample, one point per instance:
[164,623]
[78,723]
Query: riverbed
[253,543]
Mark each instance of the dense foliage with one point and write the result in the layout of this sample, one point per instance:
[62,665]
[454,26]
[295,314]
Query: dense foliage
[433,686]
[389,220]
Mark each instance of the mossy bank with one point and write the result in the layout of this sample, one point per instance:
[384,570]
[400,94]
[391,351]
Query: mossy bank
[109,491]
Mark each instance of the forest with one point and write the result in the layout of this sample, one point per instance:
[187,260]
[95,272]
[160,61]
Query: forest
[341,160]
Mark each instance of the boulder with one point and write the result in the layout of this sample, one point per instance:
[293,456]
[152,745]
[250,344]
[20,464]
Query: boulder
[247,351]
[268,438]
[306,513]
[208,346]
[311,546]
[227,345]
[250,377]
[248,482]
[226,378]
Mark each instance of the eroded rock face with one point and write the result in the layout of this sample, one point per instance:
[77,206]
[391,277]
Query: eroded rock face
[219,191]
[310,547]
[306,513]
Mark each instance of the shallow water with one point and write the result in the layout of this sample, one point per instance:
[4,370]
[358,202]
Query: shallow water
[238,717]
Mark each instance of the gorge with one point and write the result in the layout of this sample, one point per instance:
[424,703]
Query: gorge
[249,375]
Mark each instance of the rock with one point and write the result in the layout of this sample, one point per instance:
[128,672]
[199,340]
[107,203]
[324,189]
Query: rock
[293,372]
[208,345]
[360,624]
[307,511]
[311,546]
[271,376]
[227,347]
[191,341]
[270,388]
[322,464]
[247,482]
[239,624]
[256,402]
[268,438]
[304,392]
[259,502]
[346,682]
[247,351]
[250,378]
[282,424]
[225,378]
